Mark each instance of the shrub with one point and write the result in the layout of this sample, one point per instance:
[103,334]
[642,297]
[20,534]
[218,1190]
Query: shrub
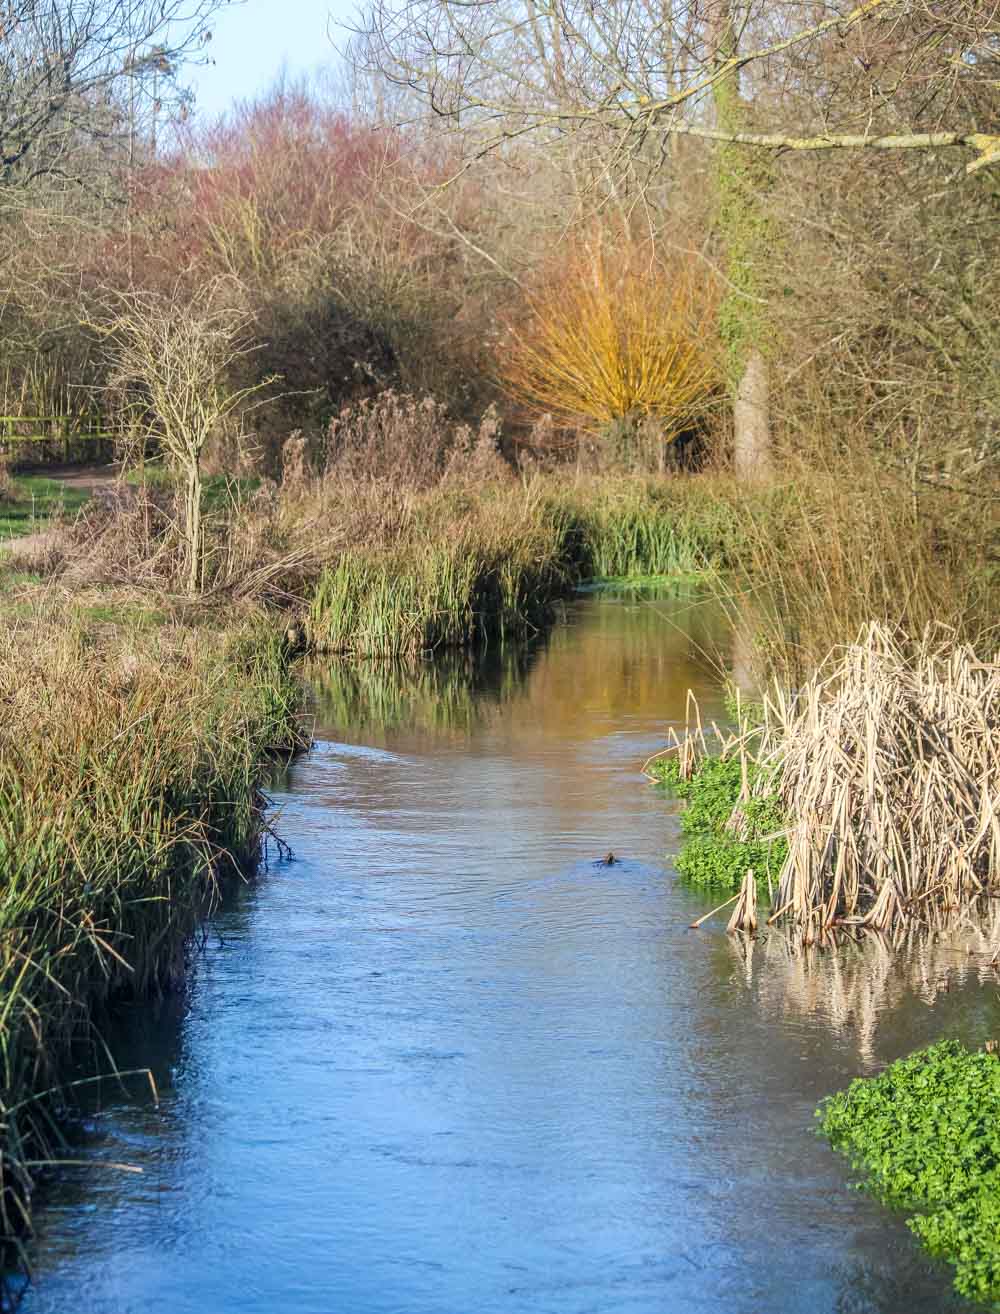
[614,340]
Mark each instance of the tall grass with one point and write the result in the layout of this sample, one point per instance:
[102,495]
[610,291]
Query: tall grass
[856,539]
[631,526]
[456,567]
[130,773]
[461,568]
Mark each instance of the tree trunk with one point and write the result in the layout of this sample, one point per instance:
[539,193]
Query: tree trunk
[742,178]
[752,420]
[193,527]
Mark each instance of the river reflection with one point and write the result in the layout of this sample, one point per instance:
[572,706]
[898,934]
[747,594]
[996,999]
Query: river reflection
[857,986]
[448,1061]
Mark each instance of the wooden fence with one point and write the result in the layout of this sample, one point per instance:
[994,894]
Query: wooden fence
[54,437]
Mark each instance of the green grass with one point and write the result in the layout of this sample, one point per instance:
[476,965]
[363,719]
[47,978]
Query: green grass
[36,499]
[466,571]
[130,783]
[14,579]
[219,491]
[634,528]
[926,1135]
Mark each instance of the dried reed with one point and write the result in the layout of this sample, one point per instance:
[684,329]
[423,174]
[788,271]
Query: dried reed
[890,775]
[886,765]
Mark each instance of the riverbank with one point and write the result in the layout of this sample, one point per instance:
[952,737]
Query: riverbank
[132,760]
[376,565]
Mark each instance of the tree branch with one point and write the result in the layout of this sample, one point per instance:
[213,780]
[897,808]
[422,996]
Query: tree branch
[985,144]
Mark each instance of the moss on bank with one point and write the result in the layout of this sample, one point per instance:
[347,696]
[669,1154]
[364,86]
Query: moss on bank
[926,1134]
[131,768]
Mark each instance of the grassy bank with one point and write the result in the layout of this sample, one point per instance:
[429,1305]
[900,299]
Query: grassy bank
[130,771]
[455,567]
[31,502]
[924,1134]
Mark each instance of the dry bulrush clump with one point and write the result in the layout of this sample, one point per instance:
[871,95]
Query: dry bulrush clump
[890,777]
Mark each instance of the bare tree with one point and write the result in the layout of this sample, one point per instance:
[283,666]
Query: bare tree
[172,365]
[510,67]
[71,71]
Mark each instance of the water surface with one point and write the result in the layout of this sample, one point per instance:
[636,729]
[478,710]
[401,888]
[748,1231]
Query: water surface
[445,1061]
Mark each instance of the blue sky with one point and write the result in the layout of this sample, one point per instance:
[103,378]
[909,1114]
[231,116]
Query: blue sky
[254,41]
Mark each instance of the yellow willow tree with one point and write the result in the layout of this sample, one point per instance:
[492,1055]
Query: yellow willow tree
[614,339]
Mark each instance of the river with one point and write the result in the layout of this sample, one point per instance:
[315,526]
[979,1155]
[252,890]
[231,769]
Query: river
[446,1061]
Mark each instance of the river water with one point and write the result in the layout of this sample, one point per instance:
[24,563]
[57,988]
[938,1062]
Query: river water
[444,1061]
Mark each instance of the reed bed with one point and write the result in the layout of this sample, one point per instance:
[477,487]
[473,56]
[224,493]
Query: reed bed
[456,567]
[885,766]
[489,576]
[130,782]
[890,775]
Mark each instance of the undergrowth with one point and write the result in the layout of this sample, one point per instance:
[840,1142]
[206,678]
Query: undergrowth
[926,1133]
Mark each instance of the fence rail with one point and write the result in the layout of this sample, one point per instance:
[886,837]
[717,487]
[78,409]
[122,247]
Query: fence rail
[60,431]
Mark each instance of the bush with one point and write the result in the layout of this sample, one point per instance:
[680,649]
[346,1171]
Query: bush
[926,1132]
[615,340]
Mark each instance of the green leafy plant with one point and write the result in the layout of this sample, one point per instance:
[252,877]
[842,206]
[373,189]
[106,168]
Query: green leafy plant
[926,1132]
[726,834]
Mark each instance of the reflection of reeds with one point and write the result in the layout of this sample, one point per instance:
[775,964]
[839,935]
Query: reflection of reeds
[853,982]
